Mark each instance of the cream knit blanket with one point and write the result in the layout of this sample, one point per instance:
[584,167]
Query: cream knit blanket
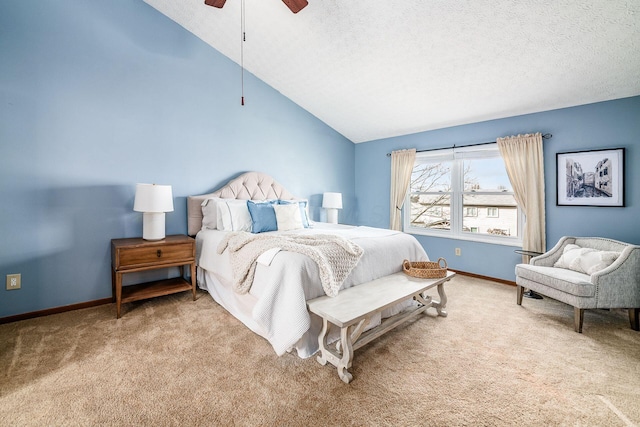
[334,255]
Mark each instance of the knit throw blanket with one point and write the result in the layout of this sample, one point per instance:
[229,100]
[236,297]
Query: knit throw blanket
[334,255]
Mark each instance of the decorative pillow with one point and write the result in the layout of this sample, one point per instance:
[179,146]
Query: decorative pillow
[303,210]
[233,215]
[585,260]
[288,217]
[210,213]
[263,217]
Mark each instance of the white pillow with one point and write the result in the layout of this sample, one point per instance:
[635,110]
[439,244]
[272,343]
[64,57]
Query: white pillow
[210,213]
[288,217]
[585,260]
[233,215]
[304,209]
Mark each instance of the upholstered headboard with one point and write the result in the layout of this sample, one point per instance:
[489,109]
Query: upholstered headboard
[248,186]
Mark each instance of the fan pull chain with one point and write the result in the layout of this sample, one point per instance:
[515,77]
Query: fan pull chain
[243,39]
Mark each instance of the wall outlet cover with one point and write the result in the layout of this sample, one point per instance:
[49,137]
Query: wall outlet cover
[13,281]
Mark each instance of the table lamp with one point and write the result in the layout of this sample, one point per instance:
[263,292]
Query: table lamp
[332,202]
[153,200]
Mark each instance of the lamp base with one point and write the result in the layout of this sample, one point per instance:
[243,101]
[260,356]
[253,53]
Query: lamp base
[332,215]
[153,226]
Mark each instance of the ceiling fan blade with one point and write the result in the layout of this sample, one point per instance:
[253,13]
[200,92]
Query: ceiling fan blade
[215,3]
[295,5]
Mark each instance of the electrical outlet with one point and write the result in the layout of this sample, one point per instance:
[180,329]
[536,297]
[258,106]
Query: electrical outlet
[13,281]
[458,252]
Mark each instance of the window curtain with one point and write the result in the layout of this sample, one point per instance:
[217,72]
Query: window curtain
[524,162]
[402,162]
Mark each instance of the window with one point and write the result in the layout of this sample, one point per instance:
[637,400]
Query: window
[473,211]
[463,193]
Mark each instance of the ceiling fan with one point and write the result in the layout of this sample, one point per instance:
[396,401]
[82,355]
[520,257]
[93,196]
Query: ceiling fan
[295,5]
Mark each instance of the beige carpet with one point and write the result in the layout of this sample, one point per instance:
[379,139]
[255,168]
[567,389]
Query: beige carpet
[172,361]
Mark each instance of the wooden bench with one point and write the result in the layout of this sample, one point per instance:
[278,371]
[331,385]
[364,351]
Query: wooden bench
[352,309]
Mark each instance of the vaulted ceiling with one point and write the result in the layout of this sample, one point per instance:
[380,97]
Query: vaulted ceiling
[373,69]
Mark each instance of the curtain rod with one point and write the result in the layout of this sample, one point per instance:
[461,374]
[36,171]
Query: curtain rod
[545,136]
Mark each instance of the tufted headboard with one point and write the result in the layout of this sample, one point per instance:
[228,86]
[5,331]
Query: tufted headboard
[248,186]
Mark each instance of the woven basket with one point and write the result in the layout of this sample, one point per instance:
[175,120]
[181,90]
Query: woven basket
[425,269]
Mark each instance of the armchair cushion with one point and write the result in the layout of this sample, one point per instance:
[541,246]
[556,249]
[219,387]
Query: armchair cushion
[585,260]
[569,281]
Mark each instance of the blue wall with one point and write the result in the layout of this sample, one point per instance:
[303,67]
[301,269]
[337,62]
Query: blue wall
[96,96]
[610,124]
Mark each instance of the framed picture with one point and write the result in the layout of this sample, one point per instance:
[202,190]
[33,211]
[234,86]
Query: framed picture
[590,178]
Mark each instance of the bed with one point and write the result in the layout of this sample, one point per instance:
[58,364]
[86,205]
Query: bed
[282,279]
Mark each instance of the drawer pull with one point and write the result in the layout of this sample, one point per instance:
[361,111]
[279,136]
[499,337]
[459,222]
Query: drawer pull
[159,253]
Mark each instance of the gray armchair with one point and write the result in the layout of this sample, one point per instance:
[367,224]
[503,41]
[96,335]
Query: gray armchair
[616,286]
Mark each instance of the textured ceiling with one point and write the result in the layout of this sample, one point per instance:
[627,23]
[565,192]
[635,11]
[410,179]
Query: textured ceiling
[373,69]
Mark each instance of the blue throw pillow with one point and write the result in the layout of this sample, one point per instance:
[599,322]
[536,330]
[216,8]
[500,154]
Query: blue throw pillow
[303,209]
[263,217]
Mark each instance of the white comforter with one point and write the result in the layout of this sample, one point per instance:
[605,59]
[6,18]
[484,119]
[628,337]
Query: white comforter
[285,280]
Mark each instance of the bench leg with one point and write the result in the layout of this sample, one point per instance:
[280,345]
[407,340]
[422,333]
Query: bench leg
[340,361]
[440,305]
[355,333]
[347,355]
[322,342]
[427,301]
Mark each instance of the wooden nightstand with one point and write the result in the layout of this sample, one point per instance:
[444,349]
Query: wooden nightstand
[136,254]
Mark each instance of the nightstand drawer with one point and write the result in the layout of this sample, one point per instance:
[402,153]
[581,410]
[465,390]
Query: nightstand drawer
[154,255]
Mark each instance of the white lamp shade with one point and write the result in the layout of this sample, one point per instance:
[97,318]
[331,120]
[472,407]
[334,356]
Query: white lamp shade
[332,200]
[153,198]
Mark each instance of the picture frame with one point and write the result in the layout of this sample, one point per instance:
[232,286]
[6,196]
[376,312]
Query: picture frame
[590,178]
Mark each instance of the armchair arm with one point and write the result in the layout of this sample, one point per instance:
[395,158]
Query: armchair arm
[549,258]
[618,286]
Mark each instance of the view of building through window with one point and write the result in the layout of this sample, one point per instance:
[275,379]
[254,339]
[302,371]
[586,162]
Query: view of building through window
[460,193]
